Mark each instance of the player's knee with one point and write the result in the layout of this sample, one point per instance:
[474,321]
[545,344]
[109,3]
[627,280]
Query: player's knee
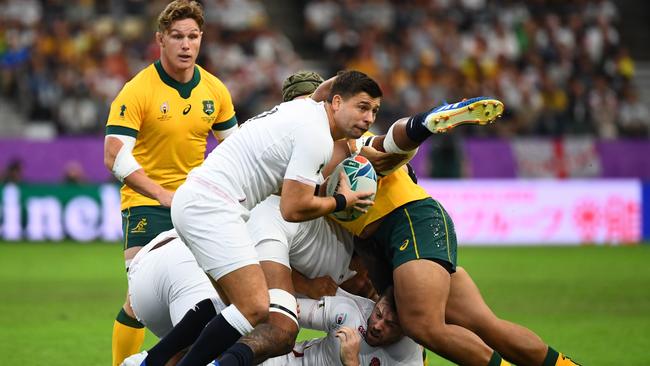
[283,311]
[256,310]
[433,335]
[283,303]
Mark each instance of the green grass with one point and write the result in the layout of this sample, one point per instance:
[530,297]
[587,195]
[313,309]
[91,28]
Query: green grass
[58,301]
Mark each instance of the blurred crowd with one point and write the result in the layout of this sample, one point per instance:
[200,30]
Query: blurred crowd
[560,67]
[65,61]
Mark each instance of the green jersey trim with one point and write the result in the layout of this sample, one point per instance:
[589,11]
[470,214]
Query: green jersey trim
[121,130]
[222,126]
[184,89]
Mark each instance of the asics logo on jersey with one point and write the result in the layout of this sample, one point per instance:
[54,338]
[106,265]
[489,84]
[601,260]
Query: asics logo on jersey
[405,244]
[140,227]
[187,109]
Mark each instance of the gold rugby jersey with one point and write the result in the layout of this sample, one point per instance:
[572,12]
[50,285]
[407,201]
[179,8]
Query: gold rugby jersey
[393,191]
[171,122]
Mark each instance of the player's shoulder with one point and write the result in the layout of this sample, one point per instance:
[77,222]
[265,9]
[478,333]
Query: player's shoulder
[142,80]
[348,309]
[212,81]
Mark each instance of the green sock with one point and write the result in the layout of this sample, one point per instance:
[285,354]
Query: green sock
[495,360]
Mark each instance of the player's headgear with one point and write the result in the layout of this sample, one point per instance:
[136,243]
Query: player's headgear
[300,83]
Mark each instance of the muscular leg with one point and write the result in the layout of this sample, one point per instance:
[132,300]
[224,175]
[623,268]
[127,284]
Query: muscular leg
[421,292]
[278,335]
[466,308]
[247,291]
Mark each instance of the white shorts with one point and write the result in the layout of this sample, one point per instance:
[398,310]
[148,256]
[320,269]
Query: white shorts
[314,248]
[213,226]
[165,283]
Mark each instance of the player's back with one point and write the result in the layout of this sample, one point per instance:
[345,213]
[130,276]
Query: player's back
[251,164]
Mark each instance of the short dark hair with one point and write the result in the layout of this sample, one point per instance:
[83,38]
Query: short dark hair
[351,82]
[179,10]
[389,295]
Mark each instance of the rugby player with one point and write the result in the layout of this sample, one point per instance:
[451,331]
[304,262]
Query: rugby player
[287,146]
[408,240]
[155,134]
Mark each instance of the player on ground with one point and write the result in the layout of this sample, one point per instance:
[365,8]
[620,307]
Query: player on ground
[167,284]
[155,134]
[371,331]
[412,234]
[286,147]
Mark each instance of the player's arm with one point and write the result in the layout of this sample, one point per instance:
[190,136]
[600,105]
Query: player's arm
[223,130]
[298,202]
[313,288]
[118,158]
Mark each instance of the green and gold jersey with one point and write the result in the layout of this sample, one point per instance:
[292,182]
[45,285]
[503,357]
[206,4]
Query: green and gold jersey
[393,191]
[171,122]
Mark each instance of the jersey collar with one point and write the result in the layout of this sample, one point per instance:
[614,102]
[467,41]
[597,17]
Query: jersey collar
[184,89]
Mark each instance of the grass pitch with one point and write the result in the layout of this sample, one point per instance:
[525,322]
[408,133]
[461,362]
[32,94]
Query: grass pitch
[58,300]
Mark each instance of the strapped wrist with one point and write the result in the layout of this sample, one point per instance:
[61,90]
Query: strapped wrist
[341,202]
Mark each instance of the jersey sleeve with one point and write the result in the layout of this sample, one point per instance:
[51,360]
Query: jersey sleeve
[226,108]
[126,113]
[310,154]
[327,314]
[226,121]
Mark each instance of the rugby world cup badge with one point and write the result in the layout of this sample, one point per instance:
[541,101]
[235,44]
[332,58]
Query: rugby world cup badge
[164,108]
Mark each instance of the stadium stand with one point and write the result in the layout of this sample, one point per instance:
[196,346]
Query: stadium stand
[562,68]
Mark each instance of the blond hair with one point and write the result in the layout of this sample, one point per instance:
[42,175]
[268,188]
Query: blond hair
[179,10]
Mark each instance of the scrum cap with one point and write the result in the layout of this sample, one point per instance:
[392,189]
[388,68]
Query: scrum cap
[300,83]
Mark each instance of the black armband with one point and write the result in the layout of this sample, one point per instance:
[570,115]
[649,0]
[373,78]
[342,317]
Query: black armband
[317,190]
[341,202]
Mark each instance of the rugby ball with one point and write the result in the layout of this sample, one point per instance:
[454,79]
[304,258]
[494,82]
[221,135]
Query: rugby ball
[361,177]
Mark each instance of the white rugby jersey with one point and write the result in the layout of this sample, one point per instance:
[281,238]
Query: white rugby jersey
[316,247]
[351,311]
[291,141]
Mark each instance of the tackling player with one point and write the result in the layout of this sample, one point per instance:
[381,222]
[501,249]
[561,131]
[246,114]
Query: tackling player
[408,231]
[155,134]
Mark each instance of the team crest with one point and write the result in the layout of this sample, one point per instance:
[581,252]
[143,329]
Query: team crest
[164,108]
[374,362]
[208,107]
[340,318]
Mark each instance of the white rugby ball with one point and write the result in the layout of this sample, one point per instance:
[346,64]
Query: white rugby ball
[361,178]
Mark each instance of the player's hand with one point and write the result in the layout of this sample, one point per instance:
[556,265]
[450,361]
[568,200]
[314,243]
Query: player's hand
[350,345]
[165,198]
[382,161]
[321,286]
[359,201]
